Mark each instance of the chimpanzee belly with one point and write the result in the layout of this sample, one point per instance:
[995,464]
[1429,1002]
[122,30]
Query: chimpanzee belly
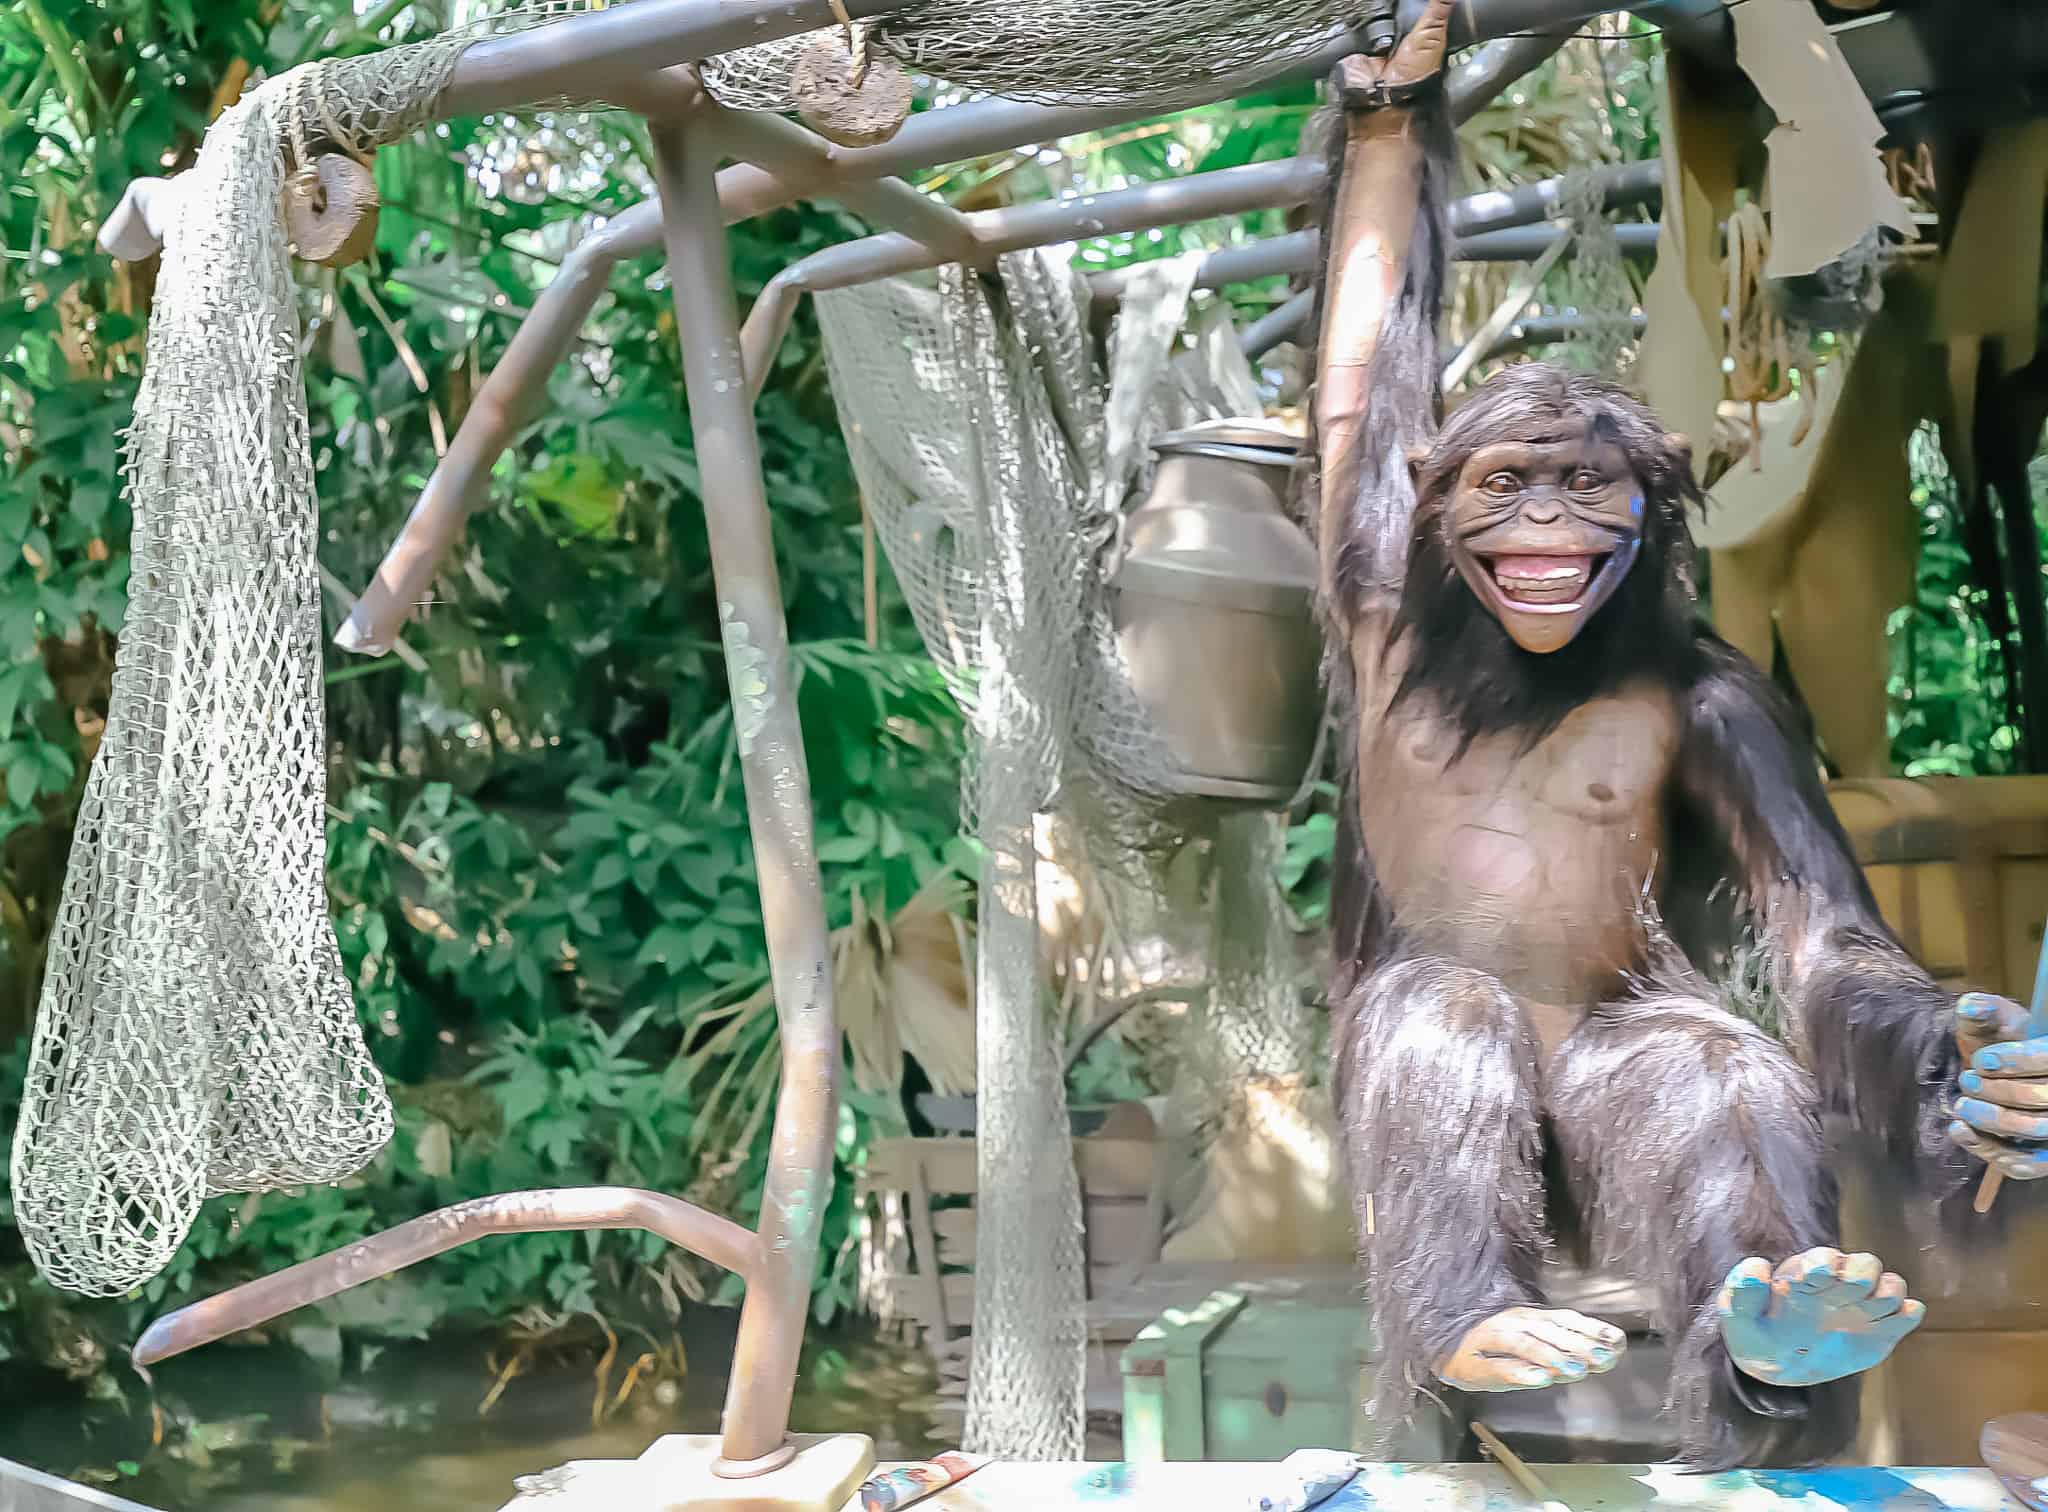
[1529,864]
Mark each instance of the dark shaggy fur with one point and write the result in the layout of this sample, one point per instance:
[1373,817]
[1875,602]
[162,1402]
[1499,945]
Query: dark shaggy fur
[1875,1028]
[1668,1135]
[1406,371]
[1691,1140]
[1441,1087]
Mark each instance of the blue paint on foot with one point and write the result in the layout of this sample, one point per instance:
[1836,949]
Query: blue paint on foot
[1819,1329]
[1970,1081]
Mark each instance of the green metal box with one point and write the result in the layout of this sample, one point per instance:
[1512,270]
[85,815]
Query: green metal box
[1255,1373]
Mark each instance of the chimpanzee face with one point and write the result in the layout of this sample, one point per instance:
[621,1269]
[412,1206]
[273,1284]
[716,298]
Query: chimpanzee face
[1544,531]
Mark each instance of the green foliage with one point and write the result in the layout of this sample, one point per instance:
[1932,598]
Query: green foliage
[538,854]
[1948,684]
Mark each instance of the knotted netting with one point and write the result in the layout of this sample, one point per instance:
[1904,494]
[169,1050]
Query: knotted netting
[196,1034]
[995,454]
[1597,291]
[1061,52]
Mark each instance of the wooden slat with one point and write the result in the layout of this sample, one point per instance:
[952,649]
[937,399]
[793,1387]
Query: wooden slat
[1119,1232]
[1124,1298]
[1108,1167]
[925,1251]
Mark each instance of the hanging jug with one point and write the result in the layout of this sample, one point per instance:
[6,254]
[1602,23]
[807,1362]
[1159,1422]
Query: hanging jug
[1215,613]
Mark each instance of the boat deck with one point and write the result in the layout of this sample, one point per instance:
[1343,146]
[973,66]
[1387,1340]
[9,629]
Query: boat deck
[1190,1487]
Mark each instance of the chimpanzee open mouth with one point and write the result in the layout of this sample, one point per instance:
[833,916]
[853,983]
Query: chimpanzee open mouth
[1542,582]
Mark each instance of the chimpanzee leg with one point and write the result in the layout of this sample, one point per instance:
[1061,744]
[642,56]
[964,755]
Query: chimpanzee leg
[1438,1094]
[1690,1141]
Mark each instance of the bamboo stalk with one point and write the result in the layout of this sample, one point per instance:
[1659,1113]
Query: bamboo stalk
[1518,1471]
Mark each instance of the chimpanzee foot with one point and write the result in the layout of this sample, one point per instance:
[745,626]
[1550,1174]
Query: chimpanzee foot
[1818,1317]
[1525,1347]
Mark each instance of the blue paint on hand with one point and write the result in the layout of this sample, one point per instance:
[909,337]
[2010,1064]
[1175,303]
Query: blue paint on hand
[2004,1122]
[1819,1325]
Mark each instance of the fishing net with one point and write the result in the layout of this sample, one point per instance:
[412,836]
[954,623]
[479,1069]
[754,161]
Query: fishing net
[196,1034]
[1595,289]
[1061,52]
[995,454]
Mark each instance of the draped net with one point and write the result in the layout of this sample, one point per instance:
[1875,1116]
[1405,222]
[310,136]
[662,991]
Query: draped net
[196,1034]
[996,454]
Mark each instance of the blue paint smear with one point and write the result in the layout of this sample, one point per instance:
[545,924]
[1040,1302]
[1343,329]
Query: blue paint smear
[1106,1482]
[1853,1488]
[1848,1485]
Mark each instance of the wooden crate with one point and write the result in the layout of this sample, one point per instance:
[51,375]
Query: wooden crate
[1258,1370]
[935,1181]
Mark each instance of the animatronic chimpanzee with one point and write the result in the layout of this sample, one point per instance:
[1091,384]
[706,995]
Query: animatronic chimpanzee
[1553,757]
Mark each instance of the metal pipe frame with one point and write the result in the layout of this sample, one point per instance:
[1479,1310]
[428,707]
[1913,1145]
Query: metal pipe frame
[683,1224]
[1281,323]
[1493,226]
[1471,220]
[778,790]
[1284,322]
[635,56]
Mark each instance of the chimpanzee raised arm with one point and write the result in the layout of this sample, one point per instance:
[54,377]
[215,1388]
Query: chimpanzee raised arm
[1381,299]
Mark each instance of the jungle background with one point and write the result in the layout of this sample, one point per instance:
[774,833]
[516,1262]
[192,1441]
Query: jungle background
[537,847]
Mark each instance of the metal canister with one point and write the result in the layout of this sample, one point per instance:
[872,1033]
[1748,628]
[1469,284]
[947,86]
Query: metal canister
[1216,612]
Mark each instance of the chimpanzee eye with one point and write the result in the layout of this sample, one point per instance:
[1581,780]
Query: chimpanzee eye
[1503,483]
[1585,480]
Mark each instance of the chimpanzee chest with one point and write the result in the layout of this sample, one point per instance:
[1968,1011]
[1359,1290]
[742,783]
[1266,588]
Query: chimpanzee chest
[1527,863]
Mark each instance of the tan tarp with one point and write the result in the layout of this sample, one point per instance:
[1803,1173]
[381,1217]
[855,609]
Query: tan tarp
[1679,366]
[1990,286]
[1817,549]
[1838,557]
[1989,291]
[1825,186]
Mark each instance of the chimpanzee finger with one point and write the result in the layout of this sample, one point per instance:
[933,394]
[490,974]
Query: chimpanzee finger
[1992,1119]
[2017,1162]
[1982,1019]
[1747,1291]
[1885,1298]
[2006,1091]
[1540,1352]
[1810,1270]
[1570,1342]
[2013,1058]
[1859,1275]
[1592,1329]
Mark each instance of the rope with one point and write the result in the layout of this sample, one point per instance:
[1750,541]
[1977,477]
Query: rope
[1763,351]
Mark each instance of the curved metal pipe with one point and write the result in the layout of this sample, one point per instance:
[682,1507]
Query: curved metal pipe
[1474,219]
[777,781]
[508,400]
[1477,81]
[1521,243]
[766,324]
[1279,324]
[683,1224]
